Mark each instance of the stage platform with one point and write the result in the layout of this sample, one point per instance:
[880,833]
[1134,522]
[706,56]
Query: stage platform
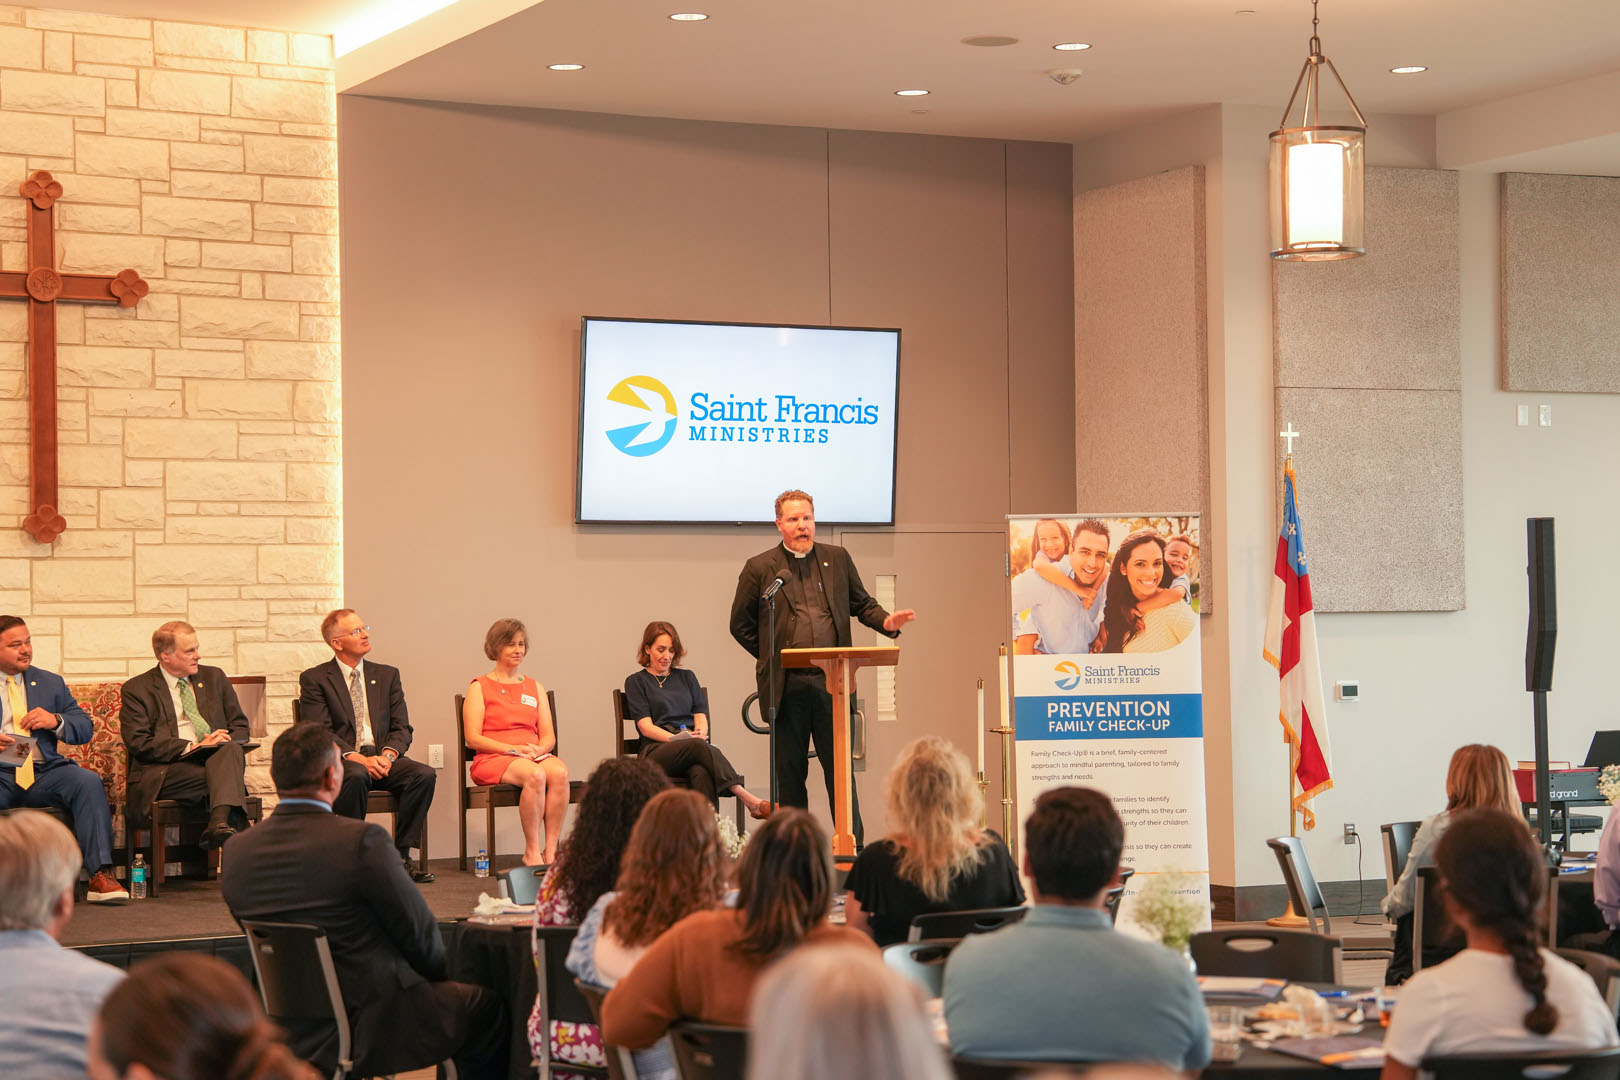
[192,915]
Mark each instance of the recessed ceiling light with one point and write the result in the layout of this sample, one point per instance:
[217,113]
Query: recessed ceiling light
[689,16]
[1410,69]
[910,93]
[990,41]
[565,67]
[1071,46]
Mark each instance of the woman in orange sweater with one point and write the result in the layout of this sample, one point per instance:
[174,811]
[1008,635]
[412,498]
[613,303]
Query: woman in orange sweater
[704,967]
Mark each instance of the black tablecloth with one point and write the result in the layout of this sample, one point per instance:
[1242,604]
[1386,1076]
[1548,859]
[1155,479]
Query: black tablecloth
[1259,1063]
[501,958]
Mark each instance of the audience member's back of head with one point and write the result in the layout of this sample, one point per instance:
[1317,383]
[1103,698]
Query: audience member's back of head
[39,861]
[839,1012]
[1480,776]
[615,793]
[935,806]
[1072,841]
[672,867]
[187,1016]
[784,883]
[301,755]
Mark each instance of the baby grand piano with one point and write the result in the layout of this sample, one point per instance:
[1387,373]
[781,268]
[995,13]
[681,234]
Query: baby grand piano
[1569,787]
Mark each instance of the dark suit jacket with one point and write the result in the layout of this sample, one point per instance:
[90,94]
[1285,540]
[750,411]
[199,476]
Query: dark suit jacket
[45,690]
[303,864]
[846,597]
[152,734]
[323,696]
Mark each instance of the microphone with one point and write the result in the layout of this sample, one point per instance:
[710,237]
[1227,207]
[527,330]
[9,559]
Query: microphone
[781,579]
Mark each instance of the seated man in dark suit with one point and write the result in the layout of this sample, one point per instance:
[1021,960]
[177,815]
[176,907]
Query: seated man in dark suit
[35,703]
[363,704]
[184,730]
[306,865]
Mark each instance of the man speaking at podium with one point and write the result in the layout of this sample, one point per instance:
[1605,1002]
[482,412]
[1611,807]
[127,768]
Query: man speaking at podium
[817,588]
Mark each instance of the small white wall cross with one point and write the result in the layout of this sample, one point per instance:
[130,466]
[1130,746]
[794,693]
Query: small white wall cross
[1289,435]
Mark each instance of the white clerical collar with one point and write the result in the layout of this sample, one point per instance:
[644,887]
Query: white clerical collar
[798,554]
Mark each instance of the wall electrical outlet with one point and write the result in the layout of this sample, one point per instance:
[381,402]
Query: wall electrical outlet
[1524,415]
[436,756]
[1349,833]
[1546,416]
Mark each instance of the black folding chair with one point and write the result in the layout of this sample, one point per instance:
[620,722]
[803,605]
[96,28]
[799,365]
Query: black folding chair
[1574,1065]
[923,962]
[959,924]
[1294,955]
[559,995]
[621,1064]
[298,983]
[710,1051]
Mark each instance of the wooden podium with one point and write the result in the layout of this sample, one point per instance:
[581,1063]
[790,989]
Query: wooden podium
[840,665]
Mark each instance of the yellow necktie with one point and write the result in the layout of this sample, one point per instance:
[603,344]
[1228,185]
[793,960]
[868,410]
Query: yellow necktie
[19,709]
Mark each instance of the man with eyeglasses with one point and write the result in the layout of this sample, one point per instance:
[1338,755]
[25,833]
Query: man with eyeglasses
[363,704]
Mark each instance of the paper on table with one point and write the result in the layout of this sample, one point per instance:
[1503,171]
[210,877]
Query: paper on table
[1235,986]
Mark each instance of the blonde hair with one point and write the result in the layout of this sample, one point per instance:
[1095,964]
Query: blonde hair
[878,1017]
[934,810]
[39,861]
[1480,777]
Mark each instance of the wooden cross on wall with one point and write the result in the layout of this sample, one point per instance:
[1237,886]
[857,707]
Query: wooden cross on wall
[42,286]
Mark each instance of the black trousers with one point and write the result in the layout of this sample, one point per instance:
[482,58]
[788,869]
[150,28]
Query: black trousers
[217,780]
[805,717]
[409,781]
[697,761]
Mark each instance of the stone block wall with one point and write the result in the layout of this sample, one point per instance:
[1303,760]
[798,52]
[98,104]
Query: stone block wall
[200,431]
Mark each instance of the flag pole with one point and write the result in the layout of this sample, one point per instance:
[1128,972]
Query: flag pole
[1290,918]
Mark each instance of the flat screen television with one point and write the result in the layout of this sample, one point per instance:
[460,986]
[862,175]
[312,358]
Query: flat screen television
[706,423]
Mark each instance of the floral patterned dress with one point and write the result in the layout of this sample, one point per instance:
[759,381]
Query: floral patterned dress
[578,1044]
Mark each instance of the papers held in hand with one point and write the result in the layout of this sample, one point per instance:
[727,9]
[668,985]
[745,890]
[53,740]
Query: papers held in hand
[19,750]
[204,750]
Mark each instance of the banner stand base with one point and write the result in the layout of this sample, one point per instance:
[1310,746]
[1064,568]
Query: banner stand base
[1288,918]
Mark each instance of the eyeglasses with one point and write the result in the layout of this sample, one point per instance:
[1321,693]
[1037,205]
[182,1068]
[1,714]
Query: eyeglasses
[356,630]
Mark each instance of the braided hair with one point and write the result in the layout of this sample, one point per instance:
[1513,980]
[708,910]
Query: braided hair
[1495,877]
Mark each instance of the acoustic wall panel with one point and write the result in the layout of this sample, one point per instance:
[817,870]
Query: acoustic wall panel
[1368,368]
[1560,283]
[1380,492]
[1141,350]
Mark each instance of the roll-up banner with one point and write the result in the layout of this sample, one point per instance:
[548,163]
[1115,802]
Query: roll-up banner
[1107,684]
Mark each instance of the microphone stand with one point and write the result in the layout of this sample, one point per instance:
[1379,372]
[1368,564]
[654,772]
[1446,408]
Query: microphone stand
[772,670]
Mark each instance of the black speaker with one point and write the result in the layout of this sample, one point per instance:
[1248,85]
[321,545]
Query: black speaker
[1543,635]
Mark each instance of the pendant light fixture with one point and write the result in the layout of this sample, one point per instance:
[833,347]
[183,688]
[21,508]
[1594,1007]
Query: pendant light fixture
[1317,207]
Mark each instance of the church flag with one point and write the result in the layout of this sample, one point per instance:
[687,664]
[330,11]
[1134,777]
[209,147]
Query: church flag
[1291,649]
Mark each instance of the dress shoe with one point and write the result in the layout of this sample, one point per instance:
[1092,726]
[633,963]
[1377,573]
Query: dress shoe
[421,877]
[215,836]
[104,888]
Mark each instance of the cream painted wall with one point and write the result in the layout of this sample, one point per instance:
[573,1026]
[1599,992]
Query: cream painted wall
[473,241]
[1430,682]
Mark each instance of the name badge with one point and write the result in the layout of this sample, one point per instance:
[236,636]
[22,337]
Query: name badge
[529,699]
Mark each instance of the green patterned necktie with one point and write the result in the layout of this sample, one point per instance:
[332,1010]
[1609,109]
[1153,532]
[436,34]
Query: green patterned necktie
[188,702]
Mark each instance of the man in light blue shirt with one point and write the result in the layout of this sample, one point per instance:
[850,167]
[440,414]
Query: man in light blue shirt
[48,994]
[1062,984]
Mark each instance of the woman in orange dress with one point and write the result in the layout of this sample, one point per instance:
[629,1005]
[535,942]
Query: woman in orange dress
[509,726]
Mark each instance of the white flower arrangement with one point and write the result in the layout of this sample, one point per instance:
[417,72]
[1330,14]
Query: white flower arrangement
[1165,909]
[1609,783]
[731,842]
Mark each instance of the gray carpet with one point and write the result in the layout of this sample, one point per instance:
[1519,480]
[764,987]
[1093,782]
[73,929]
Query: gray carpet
[191,909]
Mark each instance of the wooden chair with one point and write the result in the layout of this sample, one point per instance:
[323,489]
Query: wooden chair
[628,744]
[385,802]
[1571,1065]
[558,994]
[1294,955]
[621,1064]
[487,797]
[959,924]
[709,1051]
[1605,971]
[923,962]
[166,812]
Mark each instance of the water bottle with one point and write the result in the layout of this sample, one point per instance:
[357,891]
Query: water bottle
[137,878]
[481,864]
